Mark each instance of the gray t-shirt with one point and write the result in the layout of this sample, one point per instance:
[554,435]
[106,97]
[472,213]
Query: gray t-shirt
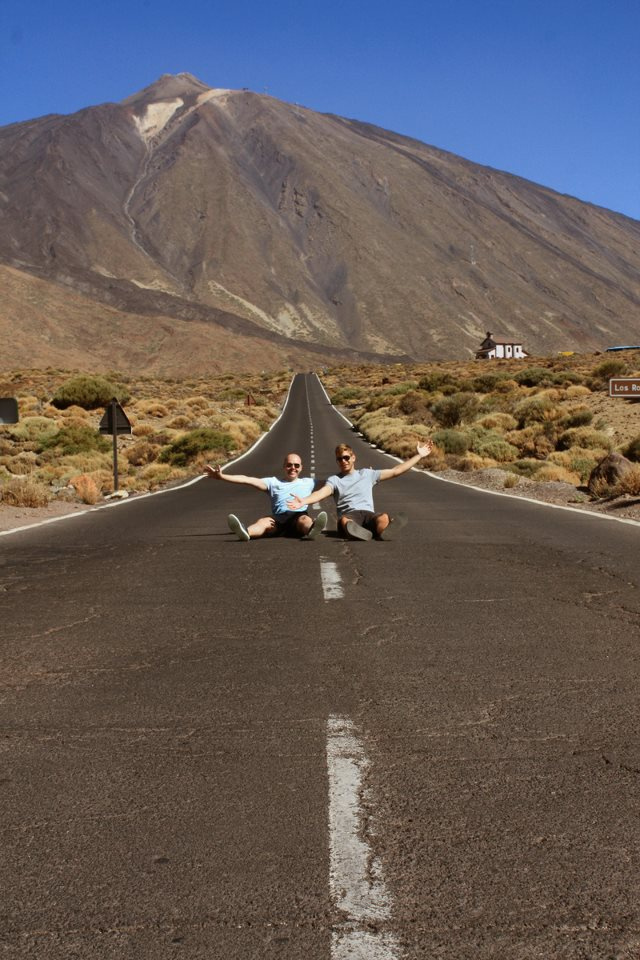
[354,491]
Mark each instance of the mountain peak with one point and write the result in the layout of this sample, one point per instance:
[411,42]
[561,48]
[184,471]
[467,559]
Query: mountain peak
[168,87]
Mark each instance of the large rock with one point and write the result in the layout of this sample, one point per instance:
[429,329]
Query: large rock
[606,474]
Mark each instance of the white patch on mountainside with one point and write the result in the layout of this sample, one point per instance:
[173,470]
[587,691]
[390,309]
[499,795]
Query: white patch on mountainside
[156,117]
[158,114]
[227,299]
[212,95]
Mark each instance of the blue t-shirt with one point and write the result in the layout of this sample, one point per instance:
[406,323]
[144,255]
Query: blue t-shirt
[282,490]
[354,491]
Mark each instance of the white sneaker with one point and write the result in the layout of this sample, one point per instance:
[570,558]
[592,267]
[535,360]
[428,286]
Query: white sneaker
[319,524]
[237,527]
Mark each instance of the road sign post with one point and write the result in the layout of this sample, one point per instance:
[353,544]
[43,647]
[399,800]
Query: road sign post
[115,422]
[9,410]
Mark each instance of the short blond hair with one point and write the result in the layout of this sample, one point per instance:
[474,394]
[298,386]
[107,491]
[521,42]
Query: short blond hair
[343,448]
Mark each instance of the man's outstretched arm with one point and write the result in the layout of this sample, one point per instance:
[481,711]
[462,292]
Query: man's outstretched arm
[215,473]
[424,449]
[295,503]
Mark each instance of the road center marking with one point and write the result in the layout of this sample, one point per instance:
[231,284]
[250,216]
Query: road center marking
[331,580]
[356,883]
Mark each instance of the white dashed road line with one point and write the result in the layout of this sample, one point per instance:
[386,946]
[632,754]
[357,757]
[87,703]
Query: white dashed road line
[356,883]
[331,580]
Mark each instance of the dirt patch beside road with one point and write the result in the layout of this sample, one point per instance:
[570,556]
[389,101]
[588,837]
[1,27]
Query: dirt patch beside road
[558,494]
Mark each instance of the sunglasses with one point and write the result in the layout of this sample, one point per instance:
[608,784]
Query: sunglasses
[296,466]
[345,456]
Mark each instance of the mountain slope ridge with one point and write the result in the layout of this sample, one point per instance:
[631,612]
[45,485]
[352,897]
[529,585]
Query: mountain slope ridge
[311,228]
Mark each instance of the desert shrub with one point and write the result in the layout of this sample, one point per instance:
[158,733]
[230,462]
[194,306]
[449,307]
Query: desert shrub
[579,417]
[452,441]
[578,391]
[510,480]
[152,408]
[506,386]
[555,472]
[76,438]
[497,421]
[344,394]
[533,377]
[525,467]
[584,437]
[438,381]
[414,401]
[473,461]
[399,389]
[632,450]
[378,401]
[577,460]
[455,409]
[235,393]
[74,414]
[23,462]
[488,382]
[611,367]
[24,492]
[156,474]
[142,452]
[535,409]
[186,448]
[144,430]
[241,430]
[89,393]
[86,488]
[180,423]
[436,460]
[629,484]
[34,429]
[197,403]
[488,443]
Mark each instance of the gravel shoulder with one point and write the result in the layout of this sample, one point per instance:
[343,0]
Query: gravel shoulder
[553,492]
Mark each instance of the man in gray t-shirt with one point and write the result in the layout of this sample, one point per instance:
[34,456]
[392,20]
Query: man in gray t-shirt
[353,493]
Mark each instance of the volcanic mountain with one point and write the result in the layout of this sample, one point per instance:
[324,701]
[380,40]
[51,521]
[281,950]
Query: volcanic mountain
[191,229]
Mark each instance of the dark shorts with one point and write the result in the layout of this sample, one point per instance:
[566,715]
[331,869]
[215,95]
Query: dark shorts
[286,525]
[366,518]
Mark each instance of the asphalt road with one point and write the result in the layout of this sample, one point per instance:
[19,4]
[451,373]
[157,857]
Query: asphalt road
[175,704]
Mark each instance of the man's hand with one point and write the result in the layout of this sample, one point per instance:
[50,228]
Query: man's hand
[424,449]
[214,473]
[294,503]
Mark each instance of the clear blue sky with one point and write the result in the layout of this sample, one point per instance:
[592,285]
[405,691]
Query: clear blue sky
[546,89]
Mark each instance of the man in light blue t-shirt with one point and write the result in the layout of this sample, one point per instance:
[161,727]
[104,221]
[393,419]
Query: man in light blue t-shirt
[284,520]
[353,493]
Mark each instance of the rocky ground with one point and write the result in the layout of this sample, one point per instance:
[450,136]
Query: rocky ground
[559,494]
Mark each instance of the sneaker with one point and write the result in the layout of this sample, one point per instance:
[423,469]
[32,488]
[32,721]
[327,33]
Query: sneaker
[237,527]
[319,524]
[356,532]
[395,526]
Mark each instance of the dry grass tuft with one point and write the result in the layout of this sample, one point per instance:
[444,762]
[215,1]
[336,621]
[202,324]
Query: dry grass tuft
[86,488]
[24,492]
[629,484]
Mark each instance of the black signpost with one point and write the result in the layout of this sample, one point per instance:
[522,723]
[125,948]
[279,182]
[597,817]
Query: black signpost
[8,410]
[115,422]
